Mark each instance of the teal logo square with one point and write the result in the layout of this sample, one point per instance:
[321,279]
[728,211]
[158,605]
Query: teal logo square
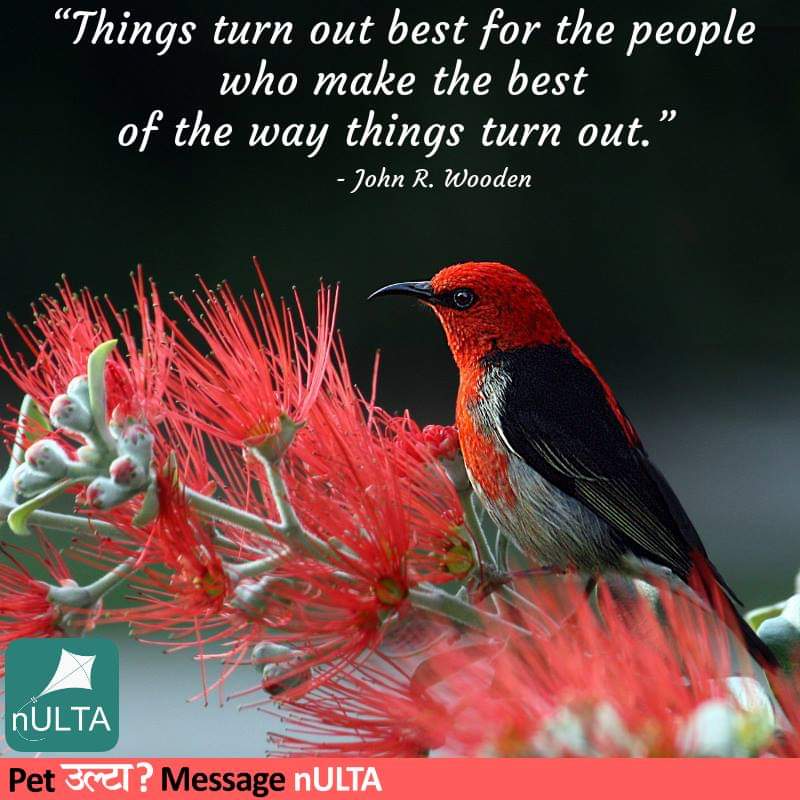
[62,695]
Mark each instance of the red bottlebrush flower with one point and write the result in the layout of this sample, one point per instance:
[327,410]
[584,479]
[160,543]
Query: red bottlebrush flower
[65,331]
[629,685]
[434,446]
[429,460]
[138,384]
[26,609]
[370,712]
[387,524]
[190,583]
[264,361]
[442,441]
[639,682]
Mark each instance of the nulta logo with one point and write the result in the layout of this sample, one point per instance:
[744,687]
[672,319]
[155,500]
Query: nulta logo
[62,695]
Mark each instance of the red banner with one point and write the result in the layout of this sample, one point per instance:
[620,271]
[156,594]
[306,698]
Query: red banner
[397,779]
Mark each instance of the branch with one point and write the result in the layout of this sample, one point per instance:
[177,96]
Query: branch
[456,610]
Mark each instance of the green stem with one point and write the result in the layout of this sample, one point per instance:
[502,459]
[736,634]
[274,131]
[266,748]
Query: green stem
[248,569]
[449,606]
[87,596]
[215,509]
[222,539]
[280,494]
[72,524]
[503,542]
[108,581]
[484,552]
[291,527]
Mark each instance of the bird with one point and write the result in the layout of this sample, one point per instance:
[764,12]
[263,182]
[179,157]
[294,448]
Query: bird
[549,451]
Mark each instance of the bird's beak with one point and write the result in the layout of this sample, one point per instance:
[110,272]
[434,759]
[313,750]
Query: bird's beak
[422,290]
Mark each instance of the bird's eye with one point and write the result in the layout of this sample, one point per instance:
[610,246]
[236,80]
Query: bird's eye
[463,298]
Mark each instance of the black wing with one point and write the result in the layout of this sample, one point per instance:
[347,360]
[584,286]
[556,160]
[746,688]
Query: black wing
[560,421]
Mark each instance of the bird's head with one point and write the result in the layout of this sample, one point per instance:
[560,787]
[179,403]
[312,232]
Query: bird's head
[484,306]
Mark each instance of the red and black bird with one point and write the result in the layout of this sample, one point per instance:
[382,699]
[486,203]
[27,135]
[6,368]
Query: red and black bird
[549,451]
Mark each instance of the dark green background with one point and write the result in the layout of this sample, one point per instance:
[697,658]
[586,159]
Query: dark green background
[675,267]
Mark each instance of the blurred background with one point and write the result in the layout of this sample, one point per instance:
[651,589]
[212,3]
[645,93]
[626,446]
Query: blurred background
[675,266]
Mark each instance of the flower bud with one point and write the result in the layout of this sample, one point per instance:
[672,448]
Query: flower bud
[273,661]
[458,560]
[127,472]
[103,493]
[273,681]
[390,592]
[250,596]
[88,455]
[70,413]
[78,389]
[48,456]
[136,441]
[270,652]
[272,446]
[28,481]
[782,634]
[442,441]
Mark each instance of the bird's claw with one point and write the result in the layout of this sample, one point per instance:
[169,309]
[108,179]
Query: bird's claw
[491,580]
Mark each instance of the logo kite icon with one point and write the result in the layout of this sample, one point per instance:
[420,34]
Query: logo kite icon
[74,671]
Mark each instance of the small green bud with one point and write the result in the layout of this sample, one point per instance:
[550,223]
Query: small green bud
[128,473]
[28,481]
[272,447]
[136,441]
[103,493]
[69,413]
[49,457]
[271,653]
[274,682]
[458,560]
[390,592]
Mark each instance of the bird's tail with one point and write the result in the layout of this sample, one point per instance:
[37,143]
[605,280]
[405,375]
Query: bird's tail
[713,587]
[756,646]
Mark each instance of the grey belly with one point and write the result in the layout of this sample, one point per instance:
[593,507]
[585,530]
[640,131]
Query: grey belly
[552,527]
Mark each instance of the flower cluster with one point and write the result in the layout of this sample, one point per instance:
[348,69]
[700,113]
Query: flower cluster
[617,678]
[250,503]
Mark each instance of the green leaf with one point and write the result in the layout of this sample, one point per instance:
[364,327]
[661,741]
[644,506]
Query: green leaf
[96,373]
[18,518]
[149,509]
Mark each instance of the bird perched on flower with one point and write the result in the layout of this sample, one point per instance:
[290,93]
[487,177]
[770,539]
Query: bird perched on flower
[549,451]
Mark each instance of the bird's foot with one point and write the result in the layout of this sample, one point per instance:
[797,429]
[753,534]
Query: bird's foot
[491,579]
